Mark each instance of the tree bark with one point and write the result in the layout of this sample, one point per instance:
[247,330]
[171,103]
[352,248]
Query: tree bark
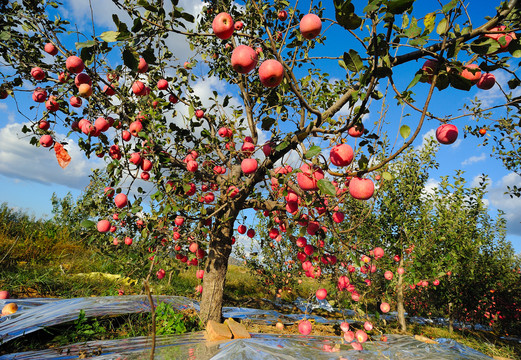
[214,279]
[399,304]
[451,320]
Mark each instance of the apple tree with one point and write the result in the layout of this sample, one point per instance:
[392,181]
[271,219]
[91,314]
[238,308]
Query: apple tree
[284,134]
[476,269]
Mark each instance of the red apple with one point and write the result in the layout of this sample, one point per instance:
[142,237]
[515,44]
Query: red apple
[238,25]
[486,81]
[400,270]
[46,141]
[308,178]
[128,241]
[85,90]
[142,66]
[160,274]
[39,95]
[162,84]
[173,99]
[338,217]
[502,38]
[222,26]
[44,125]
[138,88]
[271,73]
[74,64]
[146,165]
[321,294]
[75,101]
[471,72]
[121,200]
[135,127]
[310,26]
[361,189]
[82,78]
[241,229]
[9,309]
[447,134]
[356,130]
[279,326]
[102,124]
[388,275]
[37,73]
[244,59]
[125,135]
[301,242]
[304,327]
[199,274]
[341,155]
[385,307]
[50,49]
[378,253]
[361,336]
[103,226]
[282,15]
[4,294]
[51,104]
[250,233]
[249,166]
[199,113]
[349,336]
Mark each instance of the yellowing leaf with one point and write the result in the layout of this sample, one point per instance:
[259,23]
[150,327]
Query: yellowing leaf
[429,20]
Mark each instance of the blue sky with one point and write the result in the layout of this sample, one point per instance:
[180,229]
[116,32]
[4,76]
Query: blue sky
[29,176]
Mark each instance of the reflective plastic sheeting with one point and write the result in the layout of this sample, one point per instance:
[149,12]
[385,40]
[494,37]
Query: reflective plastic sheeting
[35,314]
[259,347]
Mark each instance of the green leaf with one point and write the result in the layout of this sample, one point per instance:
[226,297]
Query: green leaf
[353,61]
[363,162]
[312,152]
[326,187]
[405,131]
[267,123]
[414,30]
[484,46]
[130,59]
[396,7]
[88,224]
[84,44]
[448,7]
[109,36]
[459,82]
[415,80]
[5,35]
[282,146]
[345,14]
[514,48]
[442,27]
[387,176]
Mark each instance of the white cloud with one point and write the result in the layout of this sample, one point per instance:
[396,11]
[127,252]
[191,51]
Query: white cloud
[27,162]
[428,136]
[510,206]
[474,159]
[431,185]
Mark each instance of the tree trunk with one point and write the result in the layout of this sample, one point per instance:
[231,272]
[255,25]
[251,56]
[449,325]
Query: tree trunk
[399,304]
[219,251]
[451,320]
